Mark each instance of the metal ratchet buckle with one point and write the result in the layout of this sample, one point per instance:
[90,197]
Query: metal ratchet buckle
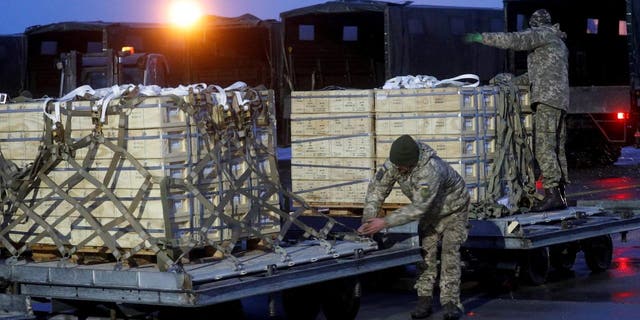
[3,98]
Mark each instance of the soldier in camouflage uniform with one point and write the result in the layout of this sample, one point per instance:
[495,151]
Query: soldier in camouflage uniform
[548,76]
[439,202]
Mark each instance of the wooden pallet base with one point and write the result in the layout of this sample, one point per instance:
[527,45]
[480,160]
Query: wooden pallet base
[347,209]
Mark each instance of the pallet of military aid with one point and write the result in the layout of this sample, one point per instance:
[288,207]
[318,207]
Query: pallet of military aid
[459,123]
[139,170]
[332,145]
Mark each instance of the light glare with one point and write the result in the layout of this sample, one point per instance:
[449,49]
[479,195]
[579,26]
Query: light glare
[185,13]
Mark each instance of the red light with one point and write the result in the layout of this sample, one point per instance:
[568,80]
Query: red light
[622,116]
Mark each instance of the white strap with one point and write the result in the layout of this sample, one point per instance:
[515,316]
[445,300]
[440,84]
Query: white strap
[424,81]
[221,97]
[241,101]
[55,117]
[455,81]
[236,86]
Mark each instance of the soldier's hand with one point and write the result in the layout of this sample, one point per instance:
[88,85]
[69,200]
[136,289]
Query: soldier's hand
[372,226]
[473,37]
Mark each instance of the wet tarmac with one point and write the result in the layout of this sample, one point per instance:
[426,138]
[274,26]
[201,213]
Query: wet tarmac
[580,294]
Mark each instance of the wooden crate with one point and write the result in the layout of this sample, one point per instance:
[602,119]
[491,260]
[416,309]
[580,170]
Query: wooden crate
[332,101]
[142,144]
[334,191]
[355,146]
[21,117]
[185,211]
[451,99]
[324,124]
[424,123]
[21,147]
[473,171]
[332,168]
[446,146]
[77,231]
[396,197]
[152,112]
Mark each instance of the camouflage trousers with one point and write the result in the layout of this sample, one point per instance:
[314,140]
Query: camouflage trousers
[550,139]
[451,232]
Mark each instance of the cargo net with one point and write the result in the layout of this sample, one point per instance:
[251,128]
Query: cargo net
[134,169]
[511,185]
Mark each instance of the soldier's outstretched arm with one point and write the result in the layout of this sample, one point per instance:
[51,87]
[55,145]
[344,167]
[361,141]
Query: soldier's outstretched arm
[523,40]
[378,190]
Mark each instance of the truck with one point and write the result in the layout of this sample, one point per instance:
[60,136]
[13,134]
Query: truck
[108,68]
[13,62]
[56,62]
[603,72]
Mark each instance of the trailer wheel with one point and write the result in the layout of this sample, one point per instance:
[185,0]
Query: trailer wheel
[341,299]
[563,256]
[535,266]
[598,253]
[302,303]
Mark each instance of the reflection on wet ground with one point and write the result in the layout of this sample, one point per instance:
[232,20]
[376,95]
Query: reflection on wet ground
[620,181]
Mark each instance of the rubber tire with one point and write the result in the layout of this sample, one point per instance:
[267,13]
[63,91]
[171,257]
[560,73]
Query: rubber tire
[339,301]
[225,310]
[563,257]
[598,253]
[302,303]
[535,266]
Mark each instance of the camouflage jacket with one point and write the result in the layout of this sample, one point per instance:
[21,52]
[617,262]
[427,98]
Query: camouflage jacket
[436,190]
[547,61]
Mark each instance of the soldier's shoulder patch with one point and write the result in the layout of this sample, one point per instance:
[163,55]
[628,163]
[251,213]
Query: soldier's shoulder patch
[424,189]
[380,173]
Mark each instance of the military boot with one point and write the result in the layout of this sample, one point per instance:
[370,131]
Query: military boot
[552,201]
[423,309]
[451,311]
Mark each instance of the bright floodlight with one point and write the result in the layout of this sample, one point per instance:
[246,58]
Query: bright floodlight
[184,13]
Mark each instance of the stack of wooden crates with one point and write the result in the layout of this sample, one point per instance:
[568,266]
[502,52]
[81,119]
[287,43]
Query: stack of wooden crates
[332,145]
[166,142]
[459,123]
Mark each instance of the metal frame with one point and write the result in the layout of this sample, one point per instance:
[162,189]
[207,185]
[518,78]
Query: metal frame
[204,283]
[529,231]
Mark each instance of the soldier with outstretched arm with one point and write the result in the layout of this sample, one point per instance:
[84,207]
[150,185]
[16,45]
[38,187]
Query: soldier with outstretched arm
[439,202]
[547,72]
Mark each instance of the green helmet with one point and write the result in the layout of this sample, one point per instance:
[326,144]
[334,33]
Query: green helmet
[540,17]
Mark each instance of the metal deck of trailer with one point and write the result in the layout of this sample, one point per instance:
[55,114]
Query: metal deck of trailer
[535,230]
[208,283]
[203,283]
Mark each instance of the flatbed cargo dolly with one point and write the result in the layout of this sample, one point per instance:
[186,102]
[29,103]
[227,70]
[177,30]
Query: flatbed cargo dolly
[536,235]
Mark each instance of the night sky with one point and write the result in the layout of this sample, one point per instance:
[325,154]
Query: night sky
[20,14]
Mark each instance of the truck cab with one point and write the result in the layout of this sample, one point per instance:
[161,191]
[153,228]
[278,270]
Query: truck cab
[107,68]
